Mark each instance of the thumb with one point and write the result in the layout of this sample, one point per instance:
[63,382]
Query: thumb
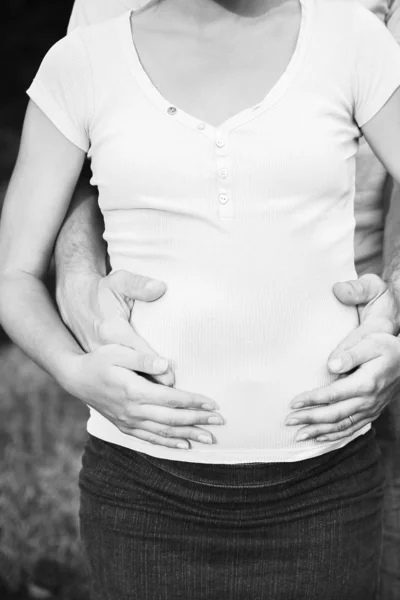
[120,331]
[134,286]
[351,340]
[359,291]
[350,358]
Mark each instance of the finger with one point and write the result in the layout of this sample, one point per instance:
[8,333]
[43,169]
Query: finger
[359,291]
[157,440]
[373,327]
[175,417]
[348,359]
[329,414]
[349,341]
[135,286]
[359,383]
[340,435]
[119,331]
[197,434]
[137,361]
[343,426]
[168,378]
[151,394]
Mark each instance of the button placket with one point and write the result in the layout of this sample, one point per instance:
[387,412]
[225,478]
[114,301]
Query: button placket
[225,204]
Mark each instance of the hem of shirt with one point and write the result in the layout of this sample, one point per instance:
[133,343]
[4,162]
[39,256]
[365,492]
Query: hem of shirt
[39,95]
[215,456]
[382,99]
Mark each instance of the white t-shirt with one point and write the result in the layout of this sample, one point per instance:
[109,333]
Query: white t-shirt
[250,223]
[371,175]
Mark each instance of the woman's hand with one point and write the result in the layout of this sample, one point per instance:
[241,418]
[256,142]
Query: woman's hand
[104,379]
[368,361]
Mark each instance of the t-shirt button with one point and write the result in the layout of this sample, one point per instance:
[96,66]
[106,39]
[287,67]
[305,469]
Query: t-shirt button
[171,110]
[201,126]
[220,143]
[223,198]
[223,172]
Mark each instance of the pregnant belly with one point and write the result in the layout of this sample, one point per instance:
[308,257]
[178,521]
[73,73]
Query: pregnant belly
[251,348]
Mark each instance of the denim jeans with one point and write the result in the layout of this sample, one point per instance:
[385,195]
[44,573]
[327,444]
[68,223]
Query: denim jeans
[388,436]
[156,529]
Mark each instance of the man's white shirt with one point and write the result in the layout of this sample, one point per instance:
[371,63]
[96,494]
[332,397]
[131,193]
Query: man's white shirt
[89,12]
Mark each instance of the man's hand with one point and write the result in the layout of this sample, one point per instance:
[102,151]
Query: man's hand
[377,307]
[368,362]
[97,311]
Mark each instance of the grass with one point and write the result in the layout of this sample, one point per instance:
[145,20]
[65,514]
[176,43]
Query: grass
[42,434]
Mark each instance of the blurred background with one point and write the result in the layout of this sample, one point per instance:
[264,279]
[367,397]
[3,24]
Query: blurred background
[42,429]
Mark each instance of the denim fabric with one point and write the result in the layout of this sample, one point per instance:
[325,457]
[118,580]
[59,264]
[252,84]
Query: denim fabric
[156,529]
[388,437]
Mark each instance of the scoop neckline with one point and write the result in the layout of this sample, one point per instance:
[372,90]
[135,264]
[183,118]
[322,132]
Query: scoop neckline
[150,89]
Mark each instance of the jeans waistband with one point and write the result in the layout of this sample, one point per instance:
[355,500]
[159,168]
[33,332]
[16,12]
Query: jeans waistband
[258,474]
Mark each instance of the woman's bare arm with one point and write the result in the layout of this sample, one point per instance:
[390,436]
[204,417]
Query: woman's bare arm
[36,202]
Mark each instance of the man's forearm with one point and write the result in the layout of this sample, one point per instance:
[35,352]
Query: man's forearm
[80,257]
[80,246]
[391,272]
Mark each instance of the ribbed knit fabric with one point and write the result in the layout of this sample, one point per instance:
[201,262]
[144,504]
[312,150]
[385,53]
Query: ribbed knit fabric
[249,224]
[371,175]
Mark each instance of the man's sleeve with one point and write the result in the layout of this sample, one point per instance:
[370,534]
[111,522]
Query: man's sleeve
[79,15]
[90,12]
[393,19]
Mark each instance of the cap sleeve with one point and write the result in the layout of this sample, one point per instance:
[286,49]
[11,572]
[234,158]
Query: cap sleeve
[63,89]
[377,65]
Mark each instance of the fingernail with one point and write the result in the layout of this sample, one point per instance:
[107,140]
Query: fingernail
[154,286]
[292,422]
[210,406]
[183,446]
[336,364]
[160,364]
[303,436]
[166,379]
[298,405]
[215,421]
[205,439]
